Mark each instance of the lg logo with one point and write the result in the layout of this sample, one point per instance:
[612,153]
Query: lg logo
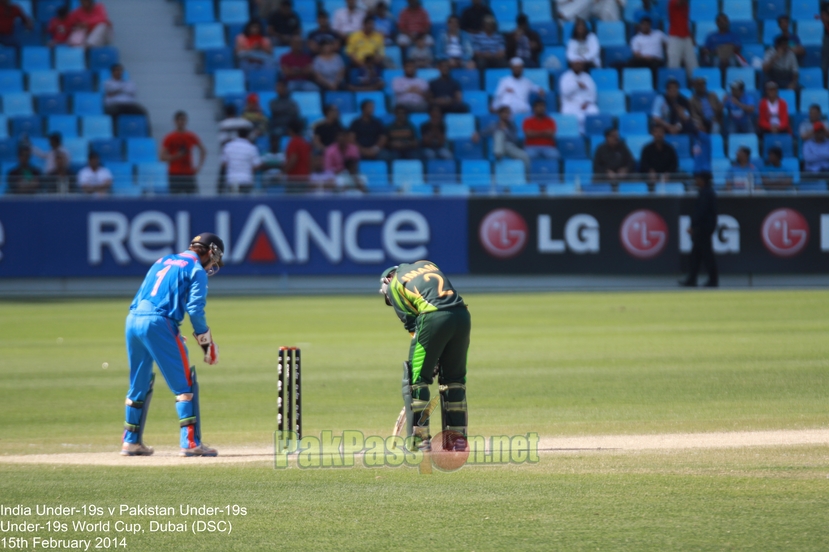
[644,234]
[785,232]
[503,233]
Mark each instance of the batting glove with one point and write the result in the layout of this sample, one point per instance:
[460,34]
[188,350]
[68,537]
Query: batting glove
[211,350]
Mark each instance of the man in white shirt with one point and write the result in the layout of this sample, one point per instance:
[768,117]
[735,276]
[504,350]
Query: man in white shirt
[514,90]
[240,159]
[348,19]
[120,96]
[409,90]
[578,93]
[95,179]
[648,47]
[605,10]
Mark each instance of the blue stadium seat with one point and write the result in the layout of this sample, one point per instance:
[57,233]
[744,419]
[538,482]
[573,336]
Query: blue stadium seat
[8,57]
[152,177]
[45,10]
[198,11]
[396,7]
[218,58]
[790,98]
[418,119]
[8,150]
[812,57]
[633,188]
[78,81]
[141,150]
[770,9]
[123,179]
[35,58]
[681,143]
[261,80]
[770,30]
[307,12]
[717,146]
[131,126]
[505,12]
[545,171]
[428,73]
[88,103]
[805,9]
[467,149]
[11,80]
[378,98]
[782,141]
[377,174]
[616,55]
[597,124]
[633,123]
[554,59]
[28,37]
[551,99]
[712,76]
[388,77]
[476,173]
[634,80]
[611,33]
[17,104]
[420,189]
[566,125]
[4,126]
[636,142]
[753,53]
[454,190]
[394,55]
[641,101]
[537,11]
[110,150]
[66,125]
[52,104]
[605,79]
[343,100]
[541,77]
[208,36]
[597,188]
[406,173]
[310,104]
[738,10]
[581,169]
[670,188]
[809,96]
[561,188]
[478,102]
[469,79]
[235,11]
[103,58]
[613,102]
[736,141]
[547,32]
[228,81]
[78,149]
[526,190]
[811,77]
[704,10]
[96,127]
[746,30]
[25,6]
[572,147]
[810,32]
[746,74]
[69,59]
[459,125]
[491,78]
[44,82]
[703,29]
[30,125]
[441,171]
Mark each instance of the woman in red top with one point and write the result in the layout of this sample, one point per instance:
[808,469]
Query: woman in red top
[253,48]
[774,112]
[60,27]
[90,25]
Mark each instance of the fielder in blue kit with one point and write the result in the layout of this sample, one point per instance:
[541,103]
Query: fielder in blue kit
[174,285]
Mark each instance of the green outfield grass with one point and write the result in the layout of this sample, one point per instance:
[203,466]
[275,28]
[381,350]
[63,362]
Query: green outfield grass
[555,364]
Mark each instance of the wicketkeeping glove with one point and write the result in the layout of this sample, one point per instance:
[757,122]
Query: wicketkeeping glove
[211,350]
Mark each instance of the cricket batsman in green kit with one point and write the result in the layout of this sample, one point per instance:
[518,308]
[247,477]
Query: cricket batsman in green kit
[437,318]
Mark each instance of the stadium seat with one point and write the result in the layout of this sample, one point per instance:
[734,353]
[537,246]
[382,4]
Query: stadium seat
[598,188]
[505,12]
[566,125]
[670,188]
[811,77]
[746,74]
[218,58]
[782,141]
[441,171]
[492,77]
[561,188]
[524,190]
[28,37]
[66,125]
[45,10]
[103,58]
[467,149]
[378,98]
[636,142]
[343,100]
[377,174]
[307,12]
[812,58]
[261,80]
[805,9]
[790,98]
[712,76]
[228,81]
[141,150]
[459,125]
[8,150]
[418,119]
[809,96]
[611,33]
[152,177]
[738,10]
[736,141]
[770,30]
[420,189]
[96,127]
[110,150]
[394,56]
[476,173]
[52,104]
[235,11]
[613,56]
[597,124]
[78,149]
[17,104]
[717,146]
[35,58]
[571,147]
[469,79]
[406,173]
[309,104]
[770,9]
[43,82]
[551,99]
[704,10]
[30,125]
[605,79]
[681,143]
[78,81]
[454,190]
[666,73]
[634,80]
[547,32]
[633,123]
[642,101]
[131,126]
[746,30]
[541,77]
[208,36]
[578,169]
[478,102]
[537,11]
[88,103]
[69,59]
[123,179]
[633,188]
[703,28]
[544,171]
[8,57]
[613,102]
[198,11]
[554,59]
[810,32]
[428,73]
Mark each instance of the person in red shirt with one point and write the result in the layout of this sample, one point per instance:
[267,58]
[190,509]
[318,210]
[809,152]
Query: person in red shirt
[297,159]
[9,13]
[413,22]
[681,49]
[59,27]
[773,112]
[297,68]
[177,150]
[540,133]
[90,25]
[253,48]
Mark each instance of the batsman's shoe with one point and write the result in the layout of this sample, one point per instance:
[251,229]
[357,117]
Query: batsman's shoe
[201,450]
[136,449]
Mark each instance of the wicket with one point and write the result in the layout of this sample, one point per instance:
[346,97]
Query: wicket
[289,399]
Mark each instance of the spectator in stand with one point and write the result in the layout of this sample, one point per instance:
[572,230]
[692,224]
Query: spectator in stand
[647,10]
[792,39]
[24,178]
[364,43]
[780,64]
[9,13]
[326,130]
[120,95]
[177,150]
[339,151]
[433,136]
[240,160]
[328,68]
[56,170]
[231,124]
[95,178]
[320,180]
[807,128]
[410,91]
[445,92]
[524,42]
[455,45]
[648,48]
[540,133]
[297,159]
[577,90]
[744,174]
[413,22]
[254,49]
[420,53]
[775,175]
[816,150]
[351,179]
[349,19]
[488,48]
[658,159]
[297,68]
[774,112]
[401,135]
[90,25]
[721,47]
[384,23]
[706,106]
[514,90]
[284,23]
[671,109]
[367,77]
[472,18]
[369,133]
[606,10]
[612,159]
[505,142]
[284,109]
[59,27]
[253,112]
[681,49]
[324,32]
[740,108]
[583,46]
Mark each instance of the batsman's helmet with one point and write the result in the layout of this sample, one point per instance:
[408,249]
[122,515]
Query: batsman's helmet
[215,246]
[385,280]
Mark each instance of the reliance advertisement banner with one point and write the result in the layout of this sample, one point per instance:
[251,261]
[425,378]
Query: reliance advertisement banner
[272,236]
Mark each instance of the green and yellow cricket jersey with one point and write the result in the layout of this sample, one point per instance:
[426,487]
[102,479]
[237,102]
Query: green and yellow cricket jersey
[420,288]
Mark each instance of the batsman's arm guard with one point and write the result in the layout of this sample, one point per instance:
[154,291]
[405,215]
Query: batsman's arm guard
[407,398]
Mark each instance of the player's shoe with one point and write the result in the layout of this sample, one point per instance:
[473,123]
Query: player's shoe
[201,450]
[136,449]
